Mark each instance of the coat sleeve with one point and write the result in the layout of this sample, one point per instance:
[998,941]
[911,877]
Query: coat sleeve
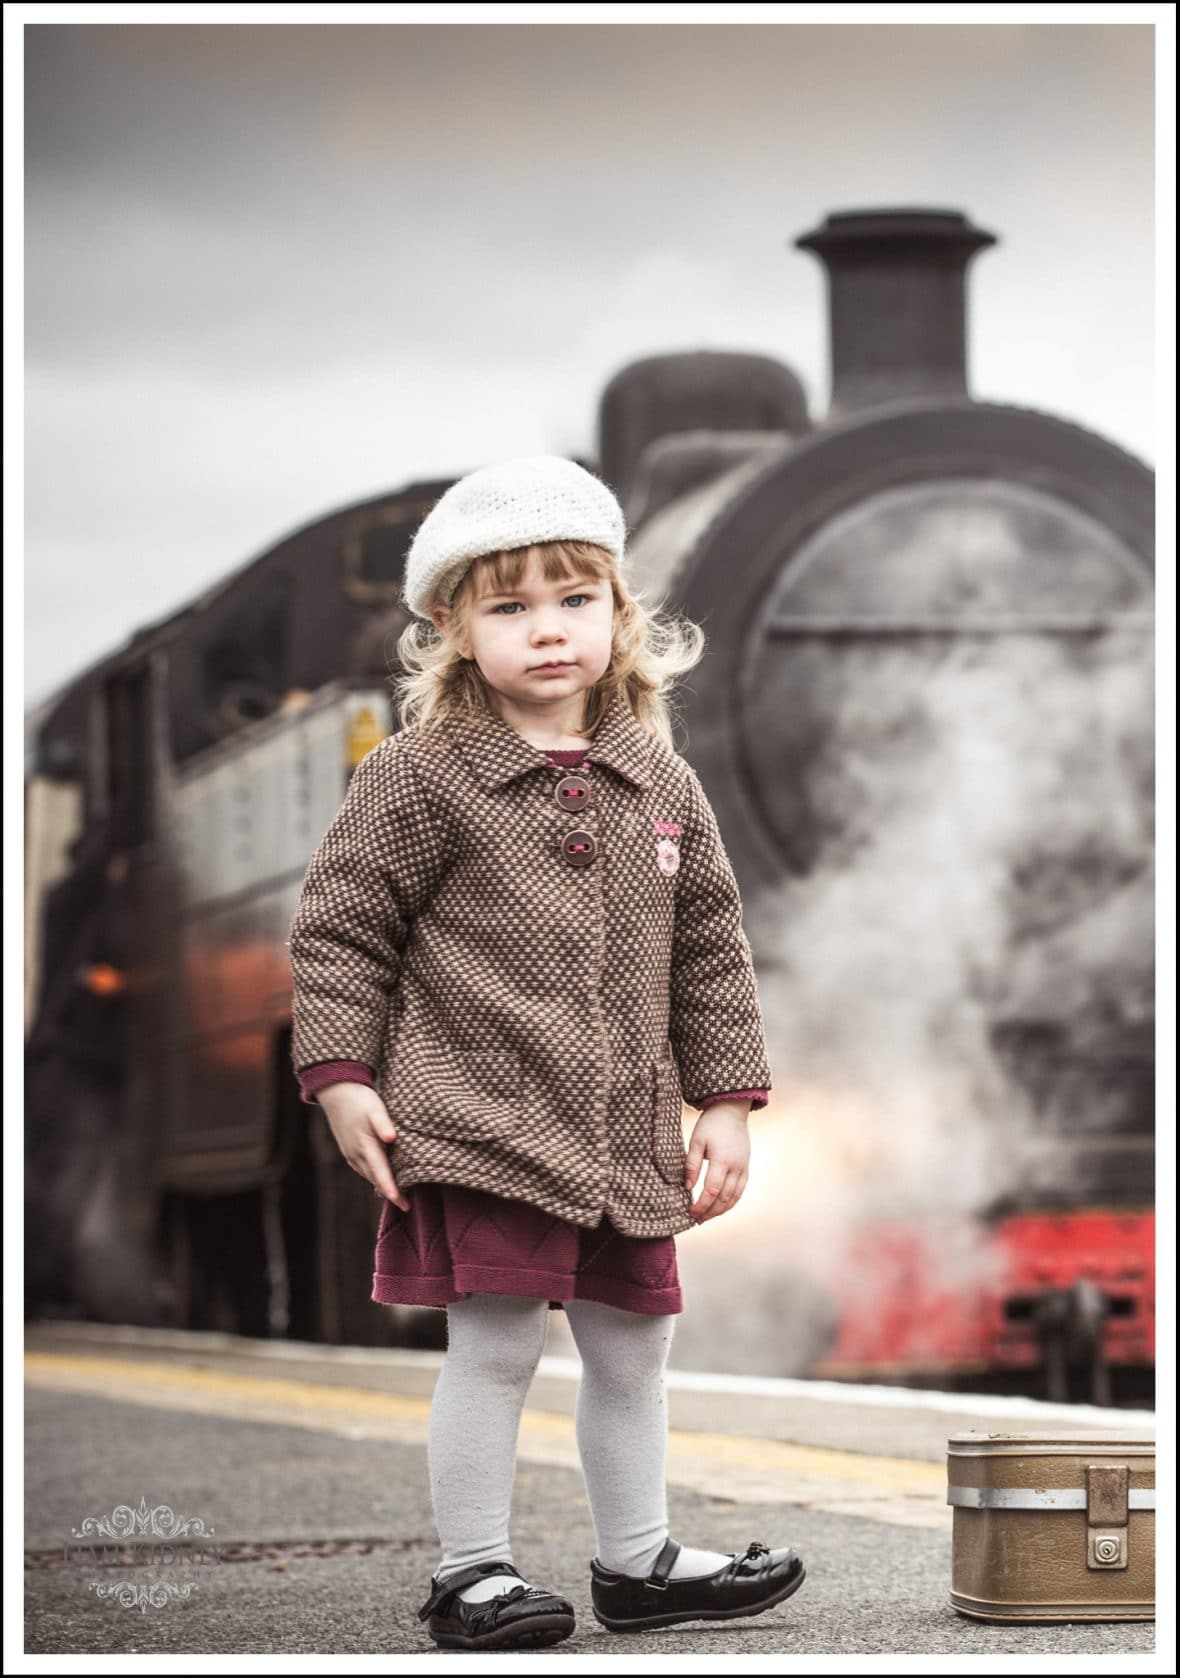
[376,867]
[313,1079]
[715,1020]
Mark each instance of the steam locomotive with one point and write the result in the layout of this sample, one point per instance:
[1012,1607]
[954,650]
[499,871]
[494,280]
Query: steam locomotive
[924,718]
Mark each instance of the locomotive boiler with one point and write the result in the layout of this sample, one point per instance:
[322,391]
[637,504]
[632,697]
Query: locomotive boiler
[924,718]
[927,716]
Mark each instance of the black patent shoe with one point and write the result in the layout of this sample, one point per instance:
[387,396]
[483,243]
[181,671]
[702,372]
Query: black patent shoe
[521,1615]
[748,1584]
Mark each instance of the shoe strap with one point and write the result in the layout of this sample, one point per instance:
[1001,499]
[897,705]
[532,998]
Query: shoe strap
[442,1592]
[665,1562]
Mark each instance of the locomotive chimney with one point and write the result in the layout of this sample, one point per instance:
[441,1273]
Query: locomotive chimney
[897,303]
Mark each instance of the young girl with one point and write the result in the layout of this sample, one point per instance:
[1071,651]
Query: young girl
[518,950]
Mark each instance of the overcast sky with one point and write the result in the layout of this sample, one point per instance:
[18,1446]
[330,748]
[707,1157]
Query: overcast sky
[270,269]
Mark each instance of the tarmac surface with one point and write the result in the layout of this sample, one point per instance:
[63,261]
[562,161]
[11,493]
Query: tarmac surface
[307,1466]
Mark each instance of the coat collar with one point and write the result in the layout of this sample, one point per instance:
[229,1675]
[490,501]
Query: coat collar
[497,753]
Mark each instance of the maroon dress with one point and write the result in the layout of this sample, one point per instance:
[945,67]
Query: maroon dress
[456,1241]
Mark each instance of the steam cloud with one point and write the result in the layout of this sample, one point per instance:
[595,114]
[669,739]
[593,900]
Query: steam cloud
[966,972]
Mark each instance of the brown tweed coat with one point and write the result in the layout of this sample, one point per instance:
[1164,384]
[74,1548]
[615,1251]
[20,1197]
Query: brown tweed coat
[533,1017]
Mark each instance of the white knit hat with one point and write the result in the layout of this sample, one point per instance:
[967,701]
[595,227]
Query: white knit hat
[535,498]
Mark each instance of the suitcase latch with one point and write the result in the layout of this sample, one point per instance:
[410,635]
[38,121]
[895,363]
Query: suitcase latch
[1106,1514]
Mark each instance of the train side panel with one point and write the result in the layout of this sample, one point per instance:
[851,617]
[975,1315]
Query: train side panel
[249,819]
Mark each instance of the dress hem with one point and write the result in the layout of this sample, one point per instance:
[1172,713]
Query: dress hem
[469,1279]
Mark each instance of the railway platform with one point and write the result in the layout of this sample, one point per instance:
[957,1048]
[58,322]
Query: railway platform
[301,1472]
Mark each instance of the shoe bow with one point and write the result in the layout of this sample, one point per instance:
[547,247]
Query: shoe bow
[486,1614]
[752,1553]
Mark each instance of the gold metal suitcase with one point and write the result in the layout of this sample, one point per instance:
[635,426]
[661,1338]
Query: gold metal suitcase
[1052,1526]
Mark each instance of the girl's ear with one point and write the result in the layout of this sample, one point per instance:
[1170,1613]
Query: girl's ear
[441,617]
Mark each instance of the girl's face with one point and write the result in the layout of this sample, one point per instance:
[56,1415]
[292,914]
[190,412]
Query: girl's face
[514,636]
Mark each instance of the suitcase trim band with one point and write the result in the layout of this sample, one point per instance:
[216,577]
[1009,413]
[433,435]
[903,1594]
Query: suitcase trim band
[1021,1497]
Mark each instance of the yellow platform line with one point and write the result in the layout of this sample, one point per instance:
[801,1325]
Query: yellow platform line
[735,1466]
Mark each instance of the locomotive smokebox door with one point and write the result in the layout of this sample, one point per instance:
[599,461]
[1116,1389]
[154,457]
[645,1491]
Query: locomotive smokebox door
[1052,1526]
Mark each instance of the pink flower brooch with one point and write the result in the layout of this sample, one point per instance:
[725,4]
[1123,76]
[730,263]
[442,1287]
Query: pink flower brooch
[667,850]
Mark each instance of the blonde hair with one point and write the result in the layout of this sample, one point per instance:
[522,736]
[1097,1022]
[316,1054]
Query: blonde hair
[649,649]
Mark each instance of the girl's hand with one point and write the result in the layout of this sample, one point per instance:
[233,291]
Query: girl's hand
[360,1122]
[722,1137]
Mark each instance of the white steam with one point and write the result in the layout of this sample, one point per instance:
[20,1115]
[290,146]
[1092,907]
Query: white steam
[966,971]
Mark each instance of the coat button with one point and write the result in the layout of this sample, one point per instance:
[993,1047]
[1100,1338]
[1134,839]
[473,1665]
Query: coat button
[579,847]
[571,792]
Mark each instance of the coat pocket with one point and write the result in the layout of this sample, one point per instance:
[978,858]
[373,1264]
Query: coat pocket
[467,1095]
[668,1149]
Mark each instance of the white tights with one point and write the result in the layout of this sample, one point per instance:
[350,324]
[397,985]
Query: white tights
[495,1342]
